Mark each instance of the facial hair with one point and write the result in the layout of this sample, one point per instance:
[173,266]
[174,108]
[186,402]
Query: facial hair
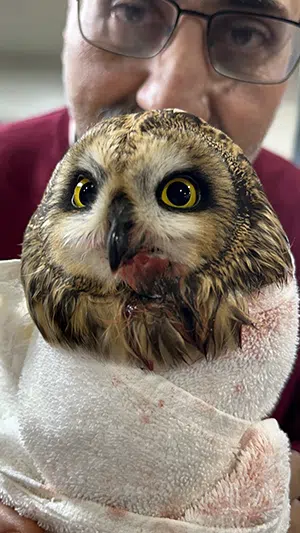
[122,108]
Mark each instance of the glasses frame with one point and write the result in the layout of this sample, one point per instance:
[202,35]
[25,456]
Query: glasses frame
[209,19]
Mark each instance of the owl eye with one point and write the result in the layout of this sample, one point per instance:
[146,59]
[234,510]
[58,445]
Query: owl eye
[84,193]
[180,193]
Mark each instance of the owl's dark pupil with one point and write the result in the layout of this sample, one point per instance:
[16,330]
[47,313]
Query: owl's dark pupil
[87,193]
[179,193]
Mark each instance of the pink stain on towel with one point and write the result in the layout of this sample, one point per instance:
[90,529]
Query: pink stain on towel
[116,512]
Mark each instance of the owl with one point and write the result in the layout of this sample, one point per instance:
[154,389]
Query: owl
[164,315]
[151,235]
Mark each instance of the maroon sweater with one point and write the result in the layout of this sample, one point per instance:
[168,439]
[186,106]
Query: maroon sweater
[29,152]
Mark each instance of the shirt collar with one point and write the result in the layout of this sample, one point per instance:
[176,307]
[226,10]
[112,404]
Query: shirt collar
[72,132]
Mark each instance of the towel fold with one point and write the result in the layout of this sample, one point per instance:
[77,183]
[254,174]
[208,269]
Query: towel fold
[90,445]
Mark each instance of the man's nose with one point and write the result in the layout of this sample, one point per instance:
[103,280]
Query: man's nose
[181,75]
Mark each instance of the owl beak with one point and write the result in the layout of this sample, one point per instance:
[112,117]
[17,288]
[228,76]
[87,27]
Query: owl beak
[120,220]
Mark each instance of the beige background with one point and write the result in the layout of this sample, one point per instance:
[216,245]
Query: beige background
[30,76]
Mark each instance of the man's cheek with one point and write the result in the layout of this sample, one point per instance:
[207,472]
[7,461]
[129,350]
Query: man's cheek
[247,113]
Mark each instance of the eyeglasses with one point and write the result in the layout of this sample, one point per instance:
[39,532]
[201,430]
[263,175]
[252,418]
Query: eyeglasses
[245,46]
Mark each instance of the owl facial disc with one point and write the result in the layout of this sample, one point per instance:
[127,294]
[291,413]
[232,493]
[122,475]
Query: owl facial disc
[153,233]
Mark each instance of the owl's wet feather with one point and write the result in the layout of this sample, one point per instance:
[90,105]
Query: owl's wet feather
[228,247]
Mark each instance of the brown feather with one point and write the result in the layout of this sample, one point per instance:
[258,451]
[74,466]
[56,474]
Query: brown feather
[240,248]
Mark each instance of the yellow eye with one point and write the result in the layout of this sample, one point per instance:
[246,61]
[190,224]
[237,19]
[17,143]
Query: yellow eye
[180,193]
[84,193]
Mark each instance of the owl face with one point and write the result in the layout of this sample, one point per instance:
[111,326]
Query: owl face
[149,218]
[131,210]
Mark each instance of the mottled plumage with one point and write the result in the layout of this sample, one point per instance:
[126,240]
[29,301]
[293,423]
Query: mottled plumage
[89,273]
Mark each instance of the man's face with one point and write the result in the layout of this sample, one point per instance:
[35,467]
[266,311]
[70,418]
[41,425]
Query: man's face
[99,83]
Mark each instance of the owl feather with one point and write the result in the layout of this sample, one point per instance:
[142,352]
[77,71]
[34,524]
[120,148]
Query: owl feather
[133,276]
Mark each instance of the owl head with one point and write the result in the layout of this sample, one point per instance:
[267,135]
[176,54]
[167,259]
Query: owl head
[153,232]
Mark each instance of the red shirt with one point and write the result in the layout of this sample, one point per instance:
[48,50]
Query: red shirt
[29,152]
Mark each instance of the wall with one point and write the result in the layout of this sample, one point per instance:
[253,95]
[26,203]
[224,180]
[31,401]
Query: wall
[31,26]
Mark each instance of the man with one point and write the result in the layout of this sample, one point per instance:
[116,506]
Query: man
[224,60]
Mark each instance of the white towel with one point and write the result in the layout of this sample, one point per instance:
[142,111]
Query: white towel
[92,446]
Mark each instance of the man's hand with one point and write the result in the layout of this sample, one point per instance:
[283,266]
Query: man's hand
[11,522]
[295,493]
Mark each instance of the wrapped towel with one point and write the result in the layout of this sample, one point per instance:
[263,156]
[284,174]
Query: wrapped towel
[90,445]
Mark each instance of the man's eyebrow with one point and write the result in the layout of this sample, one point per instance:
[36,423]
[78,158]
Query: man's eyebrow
[272,7]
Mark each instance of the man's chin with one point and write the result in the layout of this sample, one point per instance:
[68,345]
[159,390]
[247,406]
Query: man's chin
[81,126]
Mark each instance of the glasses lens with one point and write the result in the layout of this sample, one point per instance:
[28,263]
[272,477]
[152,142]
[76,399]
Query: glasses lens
[253,48]
[135,28]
